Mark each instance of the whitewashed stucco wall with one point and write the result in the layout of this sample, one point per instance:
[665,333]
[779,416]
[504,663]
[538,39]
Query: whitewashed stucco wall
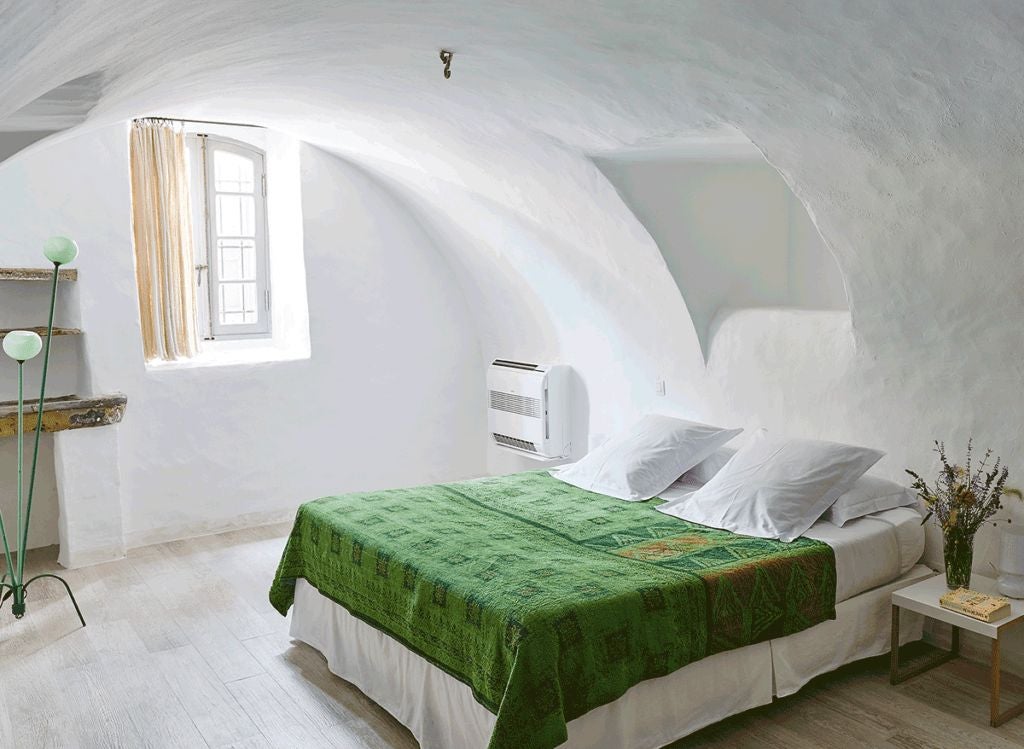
[390,394]
[896,124]
[732,233]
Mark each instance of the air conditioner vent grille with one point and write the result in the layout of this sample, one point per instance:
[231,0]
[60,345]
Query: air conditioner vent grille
[516,404]
[518,444]
[508,363]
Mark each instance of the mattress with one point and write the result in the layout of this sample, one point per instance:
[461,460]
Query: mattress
[870,551]
[442,713]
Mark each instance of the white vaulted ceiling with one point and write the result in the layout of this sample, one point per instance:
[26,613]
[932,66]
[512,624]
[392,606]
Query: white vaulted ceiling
[898,125]
[60,108]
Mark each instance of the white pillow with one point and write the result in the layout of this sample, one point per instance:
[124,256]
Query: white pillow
[704,471]
[644,460]
[868,495]
[775,488]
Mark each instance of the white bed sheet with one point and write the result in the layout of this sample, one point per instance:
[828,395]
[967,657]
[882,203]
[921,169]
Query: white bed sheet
[441,713]
[870,551]
[680,489]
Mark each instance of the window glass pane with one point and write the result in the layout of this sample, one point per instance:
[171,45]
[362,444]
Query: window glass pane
[236,216]
[249,296]
[249,259]
[237,259]
[230,260]
[232,173]
[230,298]
[238,304]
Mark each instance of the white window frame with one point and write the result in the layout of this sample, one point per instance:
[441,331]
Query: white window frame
[207,269]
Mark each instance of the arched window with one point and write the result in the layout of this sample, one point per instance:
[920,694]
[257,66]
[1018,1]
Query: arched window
[231,255]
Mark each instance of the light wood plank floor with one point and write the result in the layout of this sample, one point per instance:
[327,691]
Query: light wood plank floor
[183,650]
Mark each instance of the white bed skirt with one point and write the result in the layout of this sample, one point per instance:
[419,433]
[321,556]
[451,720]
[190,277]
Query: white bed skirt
[441,713]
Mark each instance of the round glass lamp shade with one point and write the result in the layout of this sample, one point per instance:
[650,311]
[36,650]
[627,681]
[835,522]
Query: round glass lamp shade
[60,250]
[22,345]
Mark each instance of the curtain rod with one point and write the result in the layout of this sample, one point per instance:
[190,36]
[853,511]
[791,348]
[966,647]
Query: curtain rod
[203,122]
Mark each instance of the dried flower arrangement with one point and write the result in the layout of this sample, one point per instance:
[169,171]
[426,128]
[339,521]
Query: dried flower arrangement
[962,499]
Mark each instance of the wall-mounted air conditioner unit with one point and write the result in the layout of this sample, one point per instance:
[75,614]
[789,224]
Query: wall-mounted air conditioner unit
[529,408]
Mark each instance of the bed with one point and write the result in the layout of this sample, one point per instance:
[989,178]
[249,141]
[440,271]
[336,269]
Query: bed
[520,611]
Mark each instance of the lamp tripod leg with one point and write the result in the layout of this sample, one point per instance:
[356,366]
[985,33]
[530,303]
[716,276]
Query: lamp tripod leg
[66,587]
[18,604]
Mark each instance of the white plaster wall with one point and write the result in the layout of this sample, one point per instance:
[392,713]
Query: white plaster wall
[896,124]
[732,233]
[814,278]
[389,396]
[11,143]
[42,530]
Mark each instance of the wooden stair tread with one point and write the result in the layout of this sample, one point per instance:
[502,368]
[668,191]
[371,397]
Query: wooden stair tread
[41,330]
[37,274]
[64,412]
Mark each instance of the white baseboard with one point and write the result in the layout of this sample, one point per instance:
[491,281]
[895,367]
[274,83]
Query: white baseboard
[150,536]
[89,557]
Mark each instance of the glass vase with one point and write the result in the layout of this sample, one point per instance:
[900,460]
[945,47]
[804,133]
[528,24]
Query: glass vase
[958,551]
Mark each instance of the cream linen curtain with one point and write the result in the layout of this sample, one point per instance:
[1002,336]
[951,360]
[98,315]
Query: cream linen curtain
[164,252]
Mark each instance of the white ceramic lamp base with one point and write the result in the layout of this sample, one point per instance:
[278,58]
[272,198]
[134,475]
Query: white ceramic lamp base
[1011,585]
[1011,562]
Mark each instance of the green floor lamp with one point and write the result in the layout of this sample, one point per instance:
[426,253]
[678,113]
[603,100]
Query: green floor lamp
[22,345]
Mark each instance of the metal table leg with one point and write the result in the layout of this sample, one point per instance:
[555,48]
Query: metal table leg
[997,718]
[897,677]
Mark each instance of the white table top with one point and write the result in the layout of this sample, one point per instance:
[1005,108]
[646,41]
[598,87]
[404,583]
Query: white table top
[923,597]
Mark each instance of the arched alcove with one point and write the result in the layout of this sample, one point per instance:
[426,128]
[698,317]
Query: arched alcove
[732,233]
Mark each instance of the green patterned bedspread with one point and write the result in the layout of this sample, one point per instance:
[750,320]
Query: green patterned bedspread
[548,600]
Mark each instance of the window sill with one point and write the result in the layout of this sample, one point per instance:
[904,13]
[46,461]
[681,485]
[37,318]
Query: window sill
[233,353]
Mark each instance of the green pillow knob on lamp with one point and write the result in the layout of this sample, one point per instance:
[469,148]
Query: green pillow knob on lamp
[60,250]
[22,345]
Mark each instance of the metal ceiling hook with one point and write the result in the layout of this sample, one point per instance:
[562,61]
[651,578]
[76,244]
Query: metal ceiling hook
[446,58]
